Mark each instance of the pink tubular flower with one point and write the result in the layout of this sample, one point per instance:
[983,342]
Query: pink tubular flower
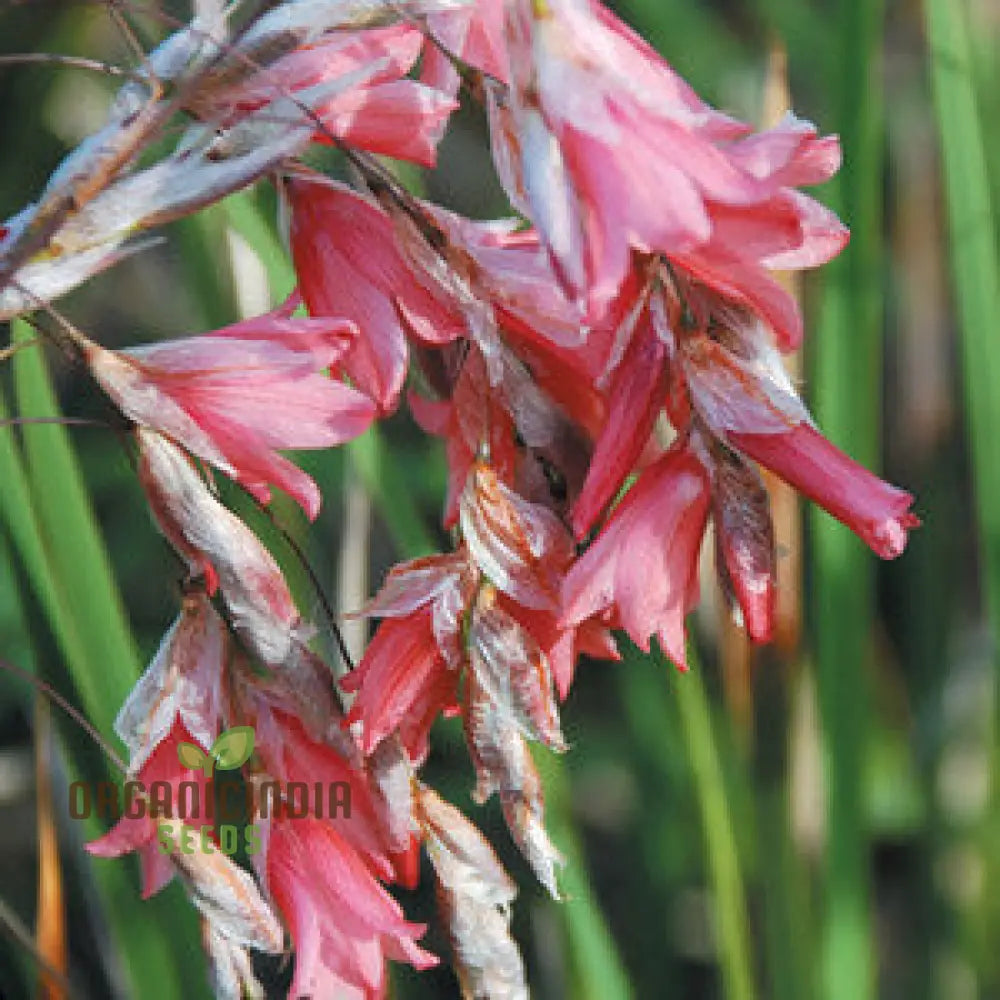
[348,265]
[377,109]
[745,398]
[403,683]
[642,570]
[635,399]
[290,754]
[409,673]
[323,869]
[236,915]
[176,700]
[233,396]
[873,509]
[343,923]
[388,115]
[711,365]
[609,150]
[160,774]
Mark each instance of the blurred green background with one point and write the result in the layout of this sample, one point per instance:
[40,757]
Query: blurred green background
[817,819]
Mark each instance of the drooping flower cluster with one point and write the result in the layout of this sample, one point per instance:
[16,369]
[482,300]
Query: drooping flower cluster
[603,369]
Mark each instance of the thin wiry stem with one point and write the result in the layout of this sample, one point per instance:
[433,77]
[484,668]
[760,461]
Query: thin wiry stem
[328,610]
[63,421]
[14,926]
[75,62]
[74,713]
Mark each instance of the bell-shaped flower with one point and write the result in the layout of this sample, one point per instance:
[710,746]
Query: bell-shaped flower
[343,922]
[740,391]
[641,573]
[610,151]
[410,671]
[158,780]
[635,395]
[382,112]
[234,396]
[403,683]
[348,265]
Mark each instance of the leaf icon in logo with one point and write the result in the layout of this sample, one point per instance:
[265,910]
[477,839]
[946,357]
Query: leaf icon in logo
[233,748]
[193,757]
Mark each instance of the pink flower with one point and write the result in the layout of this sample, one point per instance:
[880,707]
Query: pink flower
[474,35]
[609,151]
[176,700]
[163,769]
[634,400]
[710,363]
[234,396]
[876,511]
[289,753]
[343,923]
[403,684]
[641,573]
[236,916]
[473,415]
[375,108]
[745,398]
[349,265]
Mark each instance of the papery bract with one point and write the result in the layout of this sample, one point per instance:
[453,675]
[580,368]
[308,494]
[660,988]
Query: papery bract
[521,547]
[216,543]
[475,893]
[504,765]
[746,552]
[514,674]
[181,684]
